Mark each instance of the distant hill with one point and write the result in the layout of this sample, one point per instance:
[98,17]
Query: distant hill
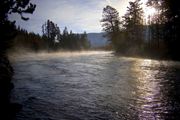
[97,39]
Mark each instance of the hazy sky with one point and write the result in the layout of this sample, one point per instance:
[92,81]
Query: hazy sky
[77,15]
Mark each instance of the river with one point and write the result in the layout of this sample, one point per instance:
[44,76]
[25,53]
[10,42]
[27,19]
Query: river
[95,86]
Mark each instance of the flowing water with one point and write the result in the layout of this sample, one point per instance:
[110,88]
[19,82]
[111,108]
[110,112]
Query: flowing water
[95,86]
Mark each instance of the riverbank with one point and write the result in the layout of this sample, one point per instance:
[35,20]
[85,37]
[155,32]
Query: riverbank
[6,73]
[7,109]
[154,55]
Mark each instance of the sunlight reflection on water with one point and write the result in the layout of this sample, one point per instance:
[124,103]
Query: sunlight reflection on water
[96,86]
[150,99]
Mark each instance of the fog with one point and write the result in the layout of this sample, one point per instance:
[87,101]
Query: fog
[27,55]
[94,85]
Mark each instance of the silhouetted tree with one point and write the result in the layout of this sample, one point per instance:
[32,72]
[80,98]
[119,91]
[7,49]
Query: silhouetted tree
[28,41]
[65,40]
[7,32]
[133,23]
[84,41]
[7,28]
[124,34]
[52,32]
[110,23]
[169,20]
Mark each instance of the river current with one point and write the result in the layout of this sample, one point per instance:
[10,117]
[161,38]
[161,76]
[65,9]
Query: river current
[95,86]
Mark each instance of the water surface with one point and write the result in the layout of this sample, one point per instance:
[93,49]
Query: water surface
[95,86]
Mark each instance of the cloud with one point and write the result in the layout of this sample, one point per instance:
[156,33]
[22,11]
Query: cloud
[78,15]
[108,2]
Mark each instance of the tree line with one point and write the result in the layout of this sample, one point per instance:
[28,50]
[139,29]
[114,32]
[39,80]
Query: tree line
[132,35]
[52,39]
[63,40]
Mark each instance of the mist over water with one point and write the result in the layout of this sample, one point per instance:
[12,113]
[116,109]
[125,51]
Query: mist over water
[26,55]
[95,85]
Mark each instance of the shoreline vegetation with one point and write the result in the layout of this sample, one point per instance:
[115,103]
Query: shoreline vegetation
[156,37]
[128,36]
[50,41]
[7,34]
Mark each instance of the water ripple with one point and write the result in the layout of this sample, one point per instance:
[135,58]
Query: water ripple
[97,86]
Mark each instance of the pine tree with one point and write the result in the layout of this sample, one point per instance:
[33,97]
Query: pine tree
[133,23]
[110,23]
[51,31]
[7,33]
[169,20]
[7,28]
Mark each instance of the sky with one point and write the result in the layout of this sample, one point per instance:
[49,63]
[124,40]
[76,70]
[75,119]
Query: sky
[76,15]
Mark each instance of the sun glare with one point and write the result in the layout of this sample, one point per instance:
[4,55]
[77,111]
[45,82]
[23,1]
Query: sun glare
[149,11]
